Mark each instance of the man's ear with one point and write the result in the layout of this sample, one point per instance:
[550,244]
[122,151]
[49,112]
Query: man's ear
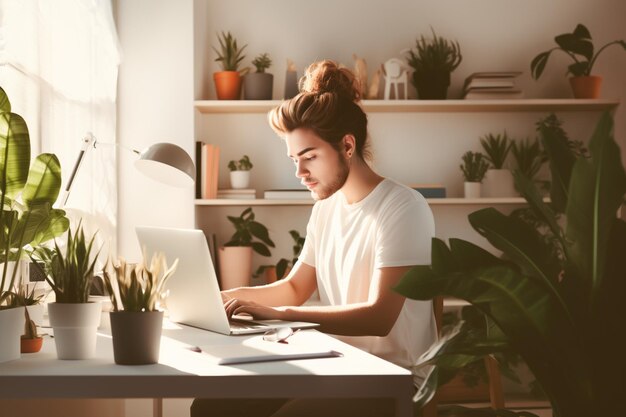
[349,145]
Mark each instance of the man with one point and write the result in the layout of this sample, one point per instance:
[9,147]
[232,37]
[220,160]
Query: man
[364,234]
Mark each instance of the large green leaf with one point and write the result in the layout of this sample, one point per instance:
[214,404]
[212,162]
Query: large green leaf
[570,42]
[44,181]
[14,154]
[562,160]
[5,104]
[522,244]
[596,191]
[39,225]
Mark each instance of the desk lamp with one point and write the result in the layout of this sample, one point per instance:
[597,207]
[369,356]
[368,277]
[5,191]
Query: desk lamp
[163,162]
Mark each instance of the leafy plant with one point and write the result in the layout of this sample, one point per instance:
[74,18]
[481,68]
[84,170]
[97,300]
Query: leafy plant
[529,157]
[497,148]
[246,229]
[243,164]
[262,62]
[434,55]
[229,54]
[474,166]
[138,287]
[558,315]
[283,264]
[27,193]
[578,46]
[72,274]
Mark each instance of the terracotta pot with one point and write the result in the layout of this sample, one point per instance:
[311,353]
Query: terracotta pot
[227,85]
[586,87]
[136,336]
[235,266]
[31,345]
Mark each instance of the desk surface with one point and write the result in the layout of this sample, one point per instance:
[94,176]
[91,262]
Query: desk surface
[183,373]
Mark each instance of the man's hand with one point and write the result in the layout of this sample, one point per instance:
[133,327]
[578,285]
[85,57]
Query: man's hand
[234,306]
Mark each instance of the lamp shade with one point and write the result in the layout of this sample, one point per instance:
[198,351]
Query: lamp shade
[167,163]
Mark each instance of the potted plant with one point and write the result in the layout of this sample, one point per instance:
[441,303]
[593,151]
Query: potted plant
[556,310]
[136,320]
[240,172]
[235,257]
[433,60]
[30,341]
[529,157]
[579,46]
[473,167]
[27,192]
[228,81]
[283,266]
[73,318]
[498,180]
[258,85]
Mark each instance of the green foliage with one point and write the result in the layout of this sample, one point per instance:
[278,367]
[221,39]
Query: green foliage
[435,55]
[529,157]
[72,274]
[243,164]
[474,166]
[283,263]
[558,314]
[578,46]
[262,62]
[246,229]
[229,54]
[139,287]
[27,193]
[497,148]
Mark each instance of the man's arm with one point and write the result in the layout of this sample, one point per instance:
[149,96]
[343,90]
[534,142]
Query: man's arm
[375,317]
[294,289]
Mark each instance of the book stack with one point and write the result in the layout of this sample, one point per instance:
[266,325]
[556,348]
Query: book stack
[430,190]
[237,194]
[287,194]
[492,85]
[207,169]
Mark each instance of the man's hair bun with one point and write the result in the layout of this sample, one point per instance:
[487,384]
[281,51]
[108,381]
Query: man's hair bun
[327,77]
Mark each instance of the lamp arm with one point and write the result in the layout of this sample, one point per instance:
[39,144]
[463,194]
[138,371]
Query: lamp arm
[87,142]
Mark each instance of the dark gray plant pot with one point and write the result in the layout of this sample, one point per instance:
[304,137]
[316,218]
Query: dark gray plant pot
[136,336]
[431,85]
[258,86]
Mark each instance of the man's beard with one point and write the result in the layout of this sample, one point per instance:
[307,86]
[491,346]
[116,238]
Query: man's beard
[322,192]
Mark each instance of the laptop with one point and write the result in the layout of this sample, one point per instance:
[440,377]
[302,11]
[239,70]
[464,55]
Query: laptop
[194,296]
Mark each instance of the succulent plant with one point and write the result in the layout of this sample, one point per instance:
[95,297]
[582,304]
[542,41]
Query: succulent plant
[262,62]
[474,166]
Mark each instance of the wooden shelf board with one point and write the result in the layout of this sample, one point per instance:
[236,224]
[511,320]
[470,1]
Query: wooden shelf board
[427,106]
[431,201]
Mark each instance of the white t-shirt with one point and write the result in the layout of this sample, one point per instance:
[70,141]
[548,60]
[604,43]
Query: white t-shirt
[346,243]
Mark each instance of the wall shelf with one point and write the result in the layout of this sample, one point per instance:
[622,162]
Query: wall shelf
[431,201]
[425,106]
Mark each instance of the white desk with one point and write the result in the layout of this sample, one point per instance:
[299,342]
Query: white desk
[182,373]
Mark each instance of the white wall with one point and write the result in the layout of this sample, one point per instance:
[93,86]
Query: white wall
[154,105]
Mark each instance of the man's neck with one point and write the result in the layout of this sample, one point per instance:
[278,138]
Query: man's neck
[360,182]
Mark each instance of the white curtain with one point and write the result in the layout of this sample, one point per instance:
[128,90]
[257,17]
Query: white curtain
[59,64]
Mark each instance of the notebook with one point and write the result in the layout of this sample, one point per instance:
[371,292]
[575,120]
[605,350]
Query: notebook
[194,296]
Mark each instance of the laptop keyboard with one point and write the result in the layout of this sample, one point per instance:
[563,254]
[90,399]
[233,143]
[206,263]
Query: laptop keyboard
[245,324]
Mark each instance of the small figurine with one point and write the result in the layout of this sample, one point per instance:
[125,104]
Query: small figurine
[291,80]
[360,72]
[396,72]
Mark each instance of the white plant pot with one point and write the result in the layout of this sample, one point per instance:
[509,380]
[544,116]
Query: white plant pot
[239,179]
[471,189]
[11,329]
[75,327]
[499,183]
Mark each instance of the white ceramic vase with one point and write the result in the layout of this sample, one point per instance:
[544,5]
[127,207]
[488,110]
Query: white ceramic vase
[11,329]
[235,266]
[499,183]
[75,327]
[472,189]
[239,179]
